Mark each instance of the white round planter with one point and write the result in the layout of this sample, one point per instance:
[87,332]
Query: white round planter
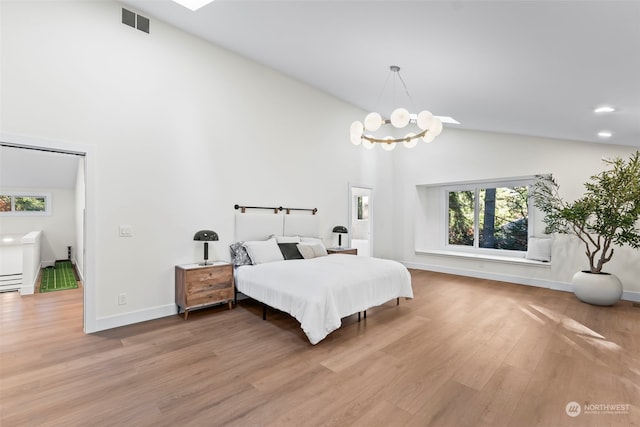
[597,289]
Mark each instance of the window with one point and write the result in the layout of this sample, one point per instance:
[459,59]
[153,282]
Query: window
[489,216]
[362,205]
[25,203]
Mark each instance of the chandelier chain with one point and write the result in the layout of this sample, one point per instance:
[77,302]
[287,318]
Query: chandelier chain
[406,90]
[384,87]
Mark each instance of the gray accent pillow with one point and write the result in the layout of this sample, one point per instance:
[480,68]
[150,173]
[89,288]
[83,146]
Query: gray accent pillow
[239,255]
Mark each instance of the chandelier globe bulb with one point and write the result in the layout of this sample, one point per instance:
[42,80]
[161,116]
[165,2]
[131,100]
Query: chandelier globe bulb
[424,120]
[368,144]
[372,122]
[410,141]
[400,117]
[389,146]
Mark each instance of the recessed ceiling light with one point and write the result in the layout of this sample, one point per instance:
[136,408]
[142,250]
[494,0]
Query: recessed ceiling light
[605,134]
[443,119]
[604,109]
[193,4]
[449,120]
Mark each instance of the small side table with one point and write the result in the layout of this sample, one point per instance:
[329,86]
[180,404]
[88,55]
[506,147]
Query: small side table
[202,285]
[346,251]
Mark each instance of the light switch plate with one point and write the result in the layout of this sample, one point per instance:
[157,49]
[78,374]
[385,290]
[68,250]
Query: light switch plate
[126,231]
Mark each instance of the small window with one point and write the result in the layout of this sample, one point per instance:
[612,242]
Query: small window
[489,216]
[25,204]
[362,204]
[30,204]
[5,203]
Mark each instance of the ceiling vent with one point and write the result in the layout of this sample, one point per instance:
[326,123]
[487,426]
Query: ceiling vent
[135,21]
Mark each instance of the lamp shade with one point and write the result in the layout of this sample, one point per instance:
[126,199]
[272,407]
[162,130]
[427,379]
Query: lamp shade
[206,235]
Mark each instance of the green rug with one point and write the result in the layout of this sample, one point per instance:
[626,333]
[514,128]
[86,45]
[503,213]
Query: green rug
[57,278]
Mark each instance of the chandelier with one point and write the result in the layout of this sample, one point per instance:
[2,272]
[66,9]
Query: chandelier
[428,126]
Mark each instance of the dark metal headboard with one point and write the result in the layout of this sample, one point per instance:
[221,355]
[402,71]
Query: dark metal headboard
[275,210]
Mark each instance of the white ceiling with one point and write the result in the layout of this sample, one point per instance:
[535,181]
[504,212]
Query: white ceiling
[525,67]
[26,168]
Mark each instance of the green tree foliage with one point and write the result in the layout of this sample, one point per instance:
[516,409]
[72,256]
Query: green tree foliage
[461,207]
[511,219]
[503,218]
[30,204]
[606,215]
[5,203]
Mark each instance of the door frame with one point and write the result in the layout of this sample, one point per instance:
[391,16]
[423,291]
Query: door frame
[350,193]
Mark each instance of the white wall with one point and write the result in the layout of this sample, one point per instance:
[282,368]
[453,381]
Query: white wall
[31,261]
[179,131]
[78,250]
[459,155]
[58,228]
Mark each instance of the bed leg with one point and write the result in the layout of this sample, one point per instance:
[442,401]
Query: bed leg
[264,312]
[398,301]
[358,316]
[365,314]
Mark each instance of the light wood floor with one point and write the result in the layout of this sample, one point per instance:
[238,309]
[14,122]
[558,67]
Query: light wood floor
[464,352]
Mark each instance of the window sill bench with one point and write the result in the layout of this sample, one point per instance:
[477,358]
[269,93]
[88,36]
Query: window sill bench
[489,258]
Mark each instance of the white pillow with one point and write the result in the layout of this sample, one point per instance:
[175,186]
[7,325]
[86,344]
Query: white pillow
[539,249]
[306,250]
[318,249]
[312,250]
[264,251]
[287,239]
[310,240]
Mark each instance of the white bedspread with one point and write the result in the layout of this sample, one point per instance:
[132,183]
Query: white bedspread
[319,292]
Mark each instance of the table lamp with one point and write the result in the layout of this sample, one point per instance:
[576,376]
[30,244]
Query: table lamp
[206,236]
[340,229]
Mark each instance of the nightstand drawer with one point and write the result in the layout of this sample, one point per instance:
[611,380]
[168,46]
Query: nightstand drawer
[210,294]
[206,276]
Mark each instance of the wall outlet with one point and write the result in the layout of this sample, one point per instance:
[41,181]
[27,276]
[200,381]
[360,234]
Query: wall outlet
[122,299]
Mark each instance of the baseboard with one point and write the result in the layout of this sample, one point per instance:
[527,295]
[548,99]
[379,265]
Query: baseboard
[124,319]
[27,290]
[80,275]
[631,296]
[528,281]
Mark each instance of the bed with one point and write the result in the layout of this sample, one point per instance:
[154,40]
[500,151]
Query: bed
[318,290]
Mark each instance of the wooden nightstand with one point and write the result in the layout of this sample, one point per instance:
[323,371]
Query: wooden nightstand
[201,285]
[347,251]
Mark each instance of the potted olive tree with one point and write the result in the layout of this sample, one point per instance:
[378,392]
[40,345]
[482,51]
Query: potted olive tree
[607,215]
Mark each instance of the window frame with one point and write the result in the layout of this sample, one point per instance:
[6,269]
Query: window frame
[14,194]
[476,186]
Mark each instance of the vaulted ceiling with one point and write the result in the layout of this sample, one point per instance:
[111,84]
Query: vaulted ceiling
[526,67]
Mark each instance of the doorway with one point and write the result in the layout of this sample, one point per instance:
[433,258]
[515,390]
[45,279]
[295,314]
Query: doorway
[85,235]
[361,219]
